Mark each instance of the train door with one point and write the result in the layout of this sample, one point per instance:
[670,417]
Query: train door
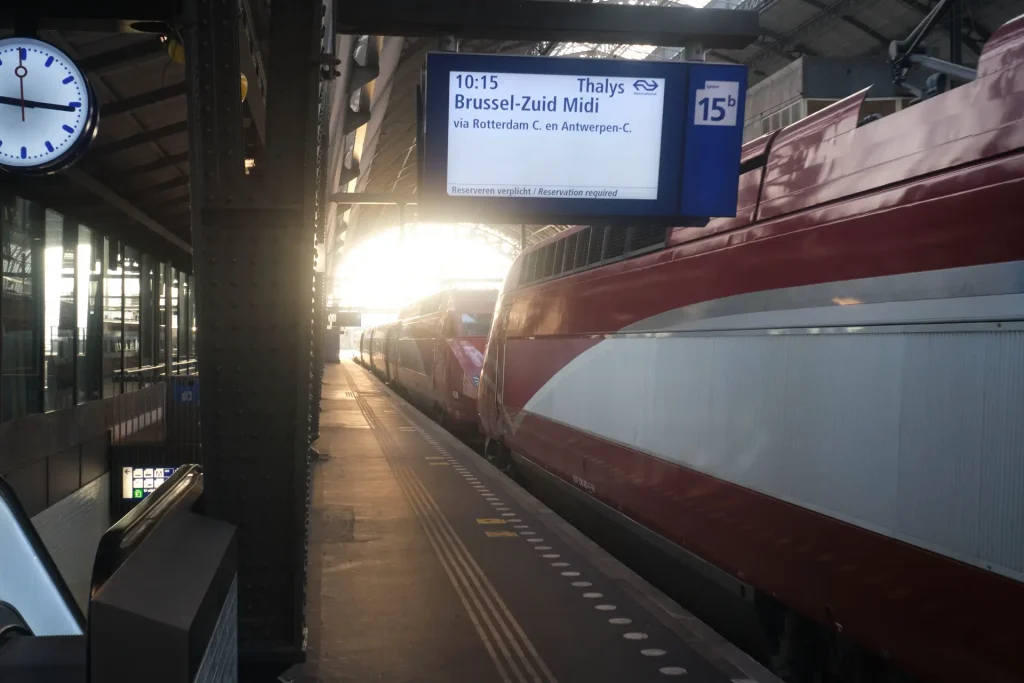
[500,334]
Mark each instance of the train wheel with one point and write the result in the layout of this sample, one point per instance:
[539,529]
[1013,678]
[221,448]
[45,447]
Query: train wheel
[498,456]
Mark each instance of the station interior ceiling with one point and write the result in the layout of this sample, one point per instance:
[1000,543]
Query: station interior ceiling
[135,179]
[789,29]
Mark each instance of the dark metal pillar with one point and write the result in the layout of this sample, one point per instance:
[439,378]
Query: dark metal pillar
[253,240]
[319,330]
[956,28]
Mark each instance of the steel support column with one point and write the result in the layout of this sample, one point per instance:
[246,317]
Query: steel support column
[254,241]
[319,330]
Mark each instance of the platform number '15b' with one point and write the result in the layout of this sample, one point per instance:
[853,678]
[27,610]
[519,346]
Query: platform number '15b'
[717,104]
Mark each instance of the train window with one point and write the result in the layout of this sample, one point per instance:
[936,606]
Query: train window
[570,251]
[643,238]
[476,324]
[582,245]
[615,245]
[559,257]
[430,305]
[596,245]
[524,270]
[549,260]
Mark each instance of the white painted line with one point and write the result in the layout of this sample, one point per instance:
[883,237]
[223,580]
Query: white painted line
[559,564]
[507,514]
[529,533]
[582,584]
[542,547]
[515,520]
[620,621]
[592,596]
[653,652]
[521,526]
[549,556]
[570,573]
[535,540]
[605,608]
[634,635]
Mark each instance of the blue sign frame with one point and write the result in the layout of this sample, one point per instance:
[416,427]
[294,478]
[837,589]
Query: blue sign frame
[699,164]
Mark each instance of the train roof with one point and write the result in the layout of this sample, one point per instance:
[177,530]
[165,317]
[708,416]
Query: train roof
[833,154]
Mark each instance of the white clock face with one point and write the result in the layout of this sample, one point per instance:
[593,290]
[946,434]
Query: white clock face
[44,103]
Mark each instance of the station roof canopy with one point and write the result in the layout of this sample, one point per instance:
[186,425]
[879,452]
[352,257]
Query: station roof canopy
[135,179]
[788,30]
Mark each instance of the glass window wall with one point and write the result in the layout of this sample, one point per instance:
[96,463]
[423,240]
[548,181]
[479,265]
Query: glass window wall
[135,312]
[81,313]
[20,299]
[173,275]
[59,311]
[147,310]
[89,307]
[113,319]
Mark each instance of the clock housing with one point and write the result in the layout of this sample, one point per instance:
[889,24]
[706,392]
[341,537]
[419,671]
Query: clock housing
[48,110]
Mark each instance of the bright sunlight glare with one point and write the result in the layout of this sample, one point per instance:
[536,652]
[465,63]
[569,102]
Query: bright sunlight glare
[385,272]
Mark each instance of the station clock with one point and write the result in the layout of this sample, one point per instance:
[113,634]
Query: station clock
[48,112]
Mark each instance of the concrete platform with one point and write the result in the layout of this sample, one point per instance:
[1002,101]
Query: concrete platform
[427,564]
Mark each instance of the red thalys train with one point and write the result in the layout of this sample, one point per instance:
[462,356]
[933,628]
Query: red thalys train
[434,353]
[820,401]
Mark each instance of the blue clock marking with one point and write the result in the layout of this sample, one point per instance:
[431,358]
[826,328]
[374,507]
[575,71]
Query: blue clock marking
[68,128]
[24,152]
[75,104]
[49,61]
[24,54]
[68,80]
[49,147]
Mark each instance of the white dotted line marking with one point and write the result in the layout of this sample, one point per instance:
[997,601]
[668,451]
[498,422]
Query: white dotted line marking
[605,608]
[513,521]
[620,621]
[570,573]
[593,596]
[581,584]
[526,533]
[559,564]
[507,514]
[634,635]
[535,540]
[653,652]
[672,670]
[523,526]
[549,556]
[542,547]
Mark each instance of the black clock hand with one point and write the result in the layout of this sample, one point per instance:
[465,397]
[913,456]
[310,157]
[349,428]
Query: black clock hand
[29,104]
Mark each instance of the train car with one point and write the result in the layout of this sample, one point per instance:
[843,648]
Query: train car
[365,346]
[437,353]
[817,403]
[377,347]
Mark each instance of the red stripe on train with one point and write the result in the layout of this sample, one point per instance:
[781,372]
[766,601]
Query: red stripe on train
[883,592]
[941,224]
